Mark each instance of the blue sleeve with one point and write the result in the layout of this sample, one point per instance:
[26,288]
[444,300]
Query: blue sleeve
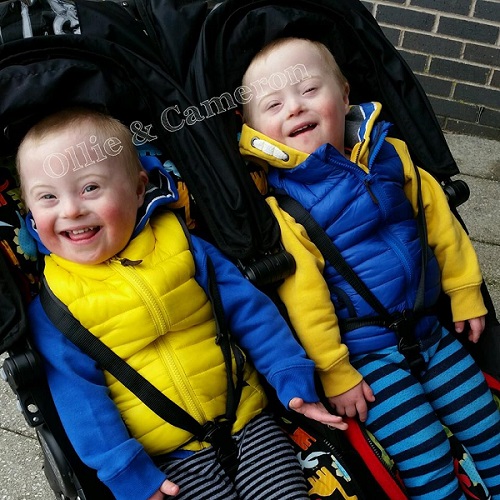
[89,416]
[258,327]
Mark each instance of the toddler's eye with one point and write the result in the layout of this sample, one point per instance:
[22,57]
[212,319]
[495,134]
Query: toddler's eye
[309,89]
[273,104]
[47,196]
[90,188]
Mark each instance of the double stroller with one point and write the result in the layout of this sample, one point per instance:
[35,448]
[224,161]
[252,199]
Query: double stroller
[155,65]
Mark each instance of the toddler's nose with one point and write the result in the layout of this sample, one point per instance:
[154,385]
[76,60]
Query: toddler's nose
[295,106]
[71,208]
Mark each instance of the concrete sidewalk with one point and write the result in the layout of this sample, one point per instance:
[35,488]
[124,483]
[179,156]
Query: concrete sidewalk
[21,474]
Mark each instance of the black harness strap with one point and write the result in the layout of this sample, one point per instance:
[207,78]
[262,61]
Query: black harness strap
[220,433]
[403,324]
[330,252]
[424,245]
[110,361]
[217,432]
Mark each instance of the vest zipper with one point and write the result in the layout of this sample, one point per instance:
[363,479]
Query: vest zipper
[142,288]
[359,174]
[395,244]
[126,269]
[392,241]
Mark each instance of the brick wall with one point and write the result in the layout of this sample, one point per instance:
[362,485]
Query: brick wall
[453,46]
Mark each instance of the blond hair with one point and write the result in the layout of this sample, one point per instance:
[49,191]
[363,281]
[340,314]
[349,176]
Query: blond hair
[322,50]
[97,124]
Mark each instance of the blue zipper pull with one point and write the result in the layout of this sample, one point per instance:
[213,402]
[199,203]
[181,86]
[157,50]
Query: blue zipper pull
[366,182]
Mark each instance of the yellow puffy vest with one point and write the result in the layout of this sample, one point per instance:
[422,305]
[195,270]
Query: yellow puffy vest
[154,315]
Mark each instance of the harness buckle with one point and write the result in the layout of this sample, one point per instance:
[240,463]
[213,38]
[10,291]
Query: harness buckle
[408,345]
[402,320]
[218,434]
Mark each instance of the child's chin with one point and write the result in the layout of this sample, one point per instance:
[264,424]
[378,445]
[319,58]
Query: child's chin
[307,147]
[305,142]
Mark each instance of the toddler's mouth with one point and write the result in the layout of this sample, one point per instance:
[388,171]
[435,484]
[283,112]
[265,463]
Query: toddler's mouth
[302,129]
[83,233]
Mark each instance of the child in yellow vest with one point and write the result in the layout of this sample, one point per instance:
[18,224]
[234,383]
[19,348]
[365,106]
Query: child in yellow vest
[134,280]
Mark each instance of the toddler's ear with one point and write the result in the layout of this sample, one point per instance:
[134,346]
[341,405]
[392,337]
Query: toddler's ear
[141,187]
[346,98]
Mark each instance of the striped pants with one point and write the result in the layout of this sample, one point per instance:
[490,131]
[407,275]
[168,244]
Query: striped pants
[268,468]
[407,414]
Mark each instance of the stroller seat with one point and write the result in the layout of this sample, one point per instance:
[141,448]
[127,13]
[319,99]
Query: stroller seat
[152,65]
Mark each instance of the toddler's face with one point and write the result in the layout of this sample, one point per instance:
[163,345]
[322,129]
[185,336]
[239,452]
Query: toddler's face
[84,201]
[297,100]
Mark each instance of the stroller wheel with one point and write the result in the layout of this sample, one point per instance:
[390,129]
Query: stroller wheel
[57,470]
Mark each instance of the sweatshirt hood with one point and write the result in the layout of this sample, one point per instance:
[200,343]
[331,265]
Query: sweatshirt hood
[258,148]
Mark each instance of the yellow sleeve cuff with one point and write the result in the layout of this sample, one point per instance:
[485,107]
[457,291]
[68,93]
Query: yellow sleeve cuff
[340,378]
[467,303]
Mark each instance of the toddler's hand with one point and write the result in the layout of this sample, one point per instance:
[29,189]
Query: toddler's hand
[353,401]
[167,488]
[476,328]
[318,412]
